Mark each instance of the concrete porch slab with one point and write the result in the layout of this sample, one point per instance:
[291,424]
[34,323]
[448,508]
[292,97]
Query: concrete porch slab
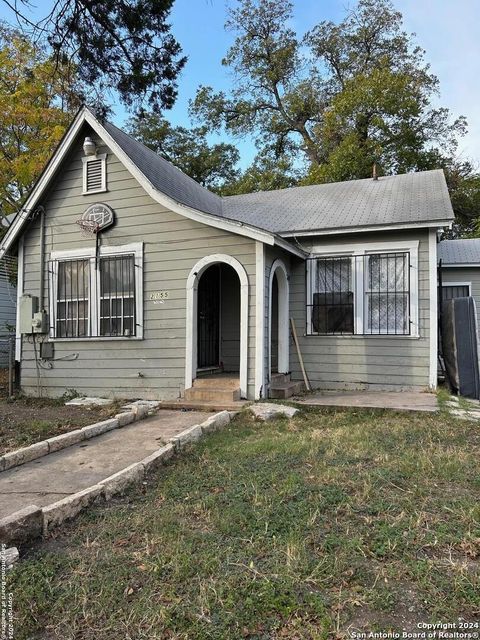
[399,401]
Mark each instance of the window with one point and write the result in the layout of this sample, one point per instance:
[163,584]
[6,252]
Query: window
[332,310]
[366,292]
[451,290]
[72,318]
[97,297]
[117,296]
[95,173]
[387,293]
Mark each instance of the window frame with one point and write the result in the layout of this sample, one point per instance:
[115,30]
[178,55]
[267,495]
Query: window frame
[458,284]
[365,249]
[135,249]
[85,160]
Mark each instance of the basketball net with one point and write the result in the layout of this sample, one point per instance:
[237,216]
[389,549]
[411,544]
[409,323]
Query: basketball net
[88,228]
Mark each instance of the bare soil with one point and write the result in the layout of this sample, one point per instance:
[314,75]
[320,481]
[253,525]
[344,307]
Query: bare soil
[24,421]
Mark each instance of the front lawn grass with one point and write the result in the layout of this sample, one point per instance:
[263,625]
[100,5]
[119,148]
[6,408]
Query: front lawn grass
[333,522]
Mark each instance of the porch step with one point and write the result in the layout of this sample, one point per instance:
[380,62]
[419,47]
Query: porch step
[220,381]
[212,394]
[183,405]
[221,388]
[286,389]
[279,378]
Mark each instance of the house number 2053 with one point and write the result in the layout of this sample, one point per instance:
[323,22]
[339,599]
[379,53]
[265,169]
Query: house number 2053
[159,295]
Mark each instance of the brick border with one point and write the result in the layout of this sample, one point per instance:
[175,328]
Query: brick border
[32,522]
[137,411]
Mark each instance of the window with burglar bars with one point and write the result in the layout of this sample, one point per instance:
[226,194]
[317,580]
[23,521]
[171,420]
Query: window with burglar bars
[117,296]
[367,294]
[73,284]
[93,297]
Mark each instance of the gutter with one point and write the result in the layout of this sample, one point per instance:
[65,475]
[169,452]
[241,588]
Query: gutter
[440,224]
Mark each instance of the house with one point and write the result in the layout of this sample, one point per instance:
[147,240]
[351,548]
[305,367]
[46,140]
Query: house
[8,307]
[146,282]
[459,261]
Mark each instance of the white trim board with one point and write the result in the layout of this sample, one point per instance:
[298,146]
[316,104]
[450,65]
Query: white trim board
[466,265]
[433,312]
[278,267]
[103,173]
[447,283]
[20,277]
[436,224]
[191,317]
[259,320]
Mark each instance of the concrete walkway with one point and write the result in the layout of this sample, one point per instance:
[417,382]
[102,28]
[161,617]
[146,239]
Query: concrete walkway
[400,401]
[57,475]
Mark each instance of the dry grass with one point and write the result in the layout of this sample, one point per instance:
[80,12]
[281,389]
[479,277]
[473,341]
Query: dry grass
[334,522]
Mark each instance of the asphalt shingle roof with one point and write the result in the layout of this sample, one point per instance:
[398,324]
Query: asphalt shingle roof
[408,198]
[165,176]
[459,251]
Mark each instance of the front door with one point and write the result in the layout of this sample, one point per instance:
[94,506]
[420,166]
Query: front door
[208,320]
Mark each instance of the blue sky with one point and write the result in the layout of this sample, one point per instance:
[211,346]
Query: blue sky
[449,31]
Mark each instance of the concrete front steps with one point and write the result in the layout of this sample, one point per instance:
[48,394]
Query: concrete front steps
[282,387]
[216,388]
[216,392]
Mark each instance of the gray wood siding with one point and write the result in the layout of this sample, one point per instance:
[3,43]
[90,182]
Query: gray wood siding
[8,304]
[8,308]
[360,362]
[155,366]
[465,275]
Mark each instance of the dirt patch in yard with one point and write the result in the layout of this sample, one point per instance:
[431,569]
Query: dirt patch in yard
[24,421]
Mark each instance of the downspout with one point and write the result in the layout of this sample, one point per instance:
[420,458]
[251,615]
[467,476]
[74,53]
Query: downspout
[41,295]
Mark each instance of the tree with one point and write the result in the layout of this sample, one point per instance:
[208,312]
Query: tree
[342,97]
[36,106]
[124,45]
[266,173]
[463,182]
[211,165]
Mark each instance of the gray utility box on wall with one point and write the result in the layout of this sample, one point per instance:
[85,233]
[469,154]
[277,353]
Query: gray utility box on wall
[31,320]
[28,306]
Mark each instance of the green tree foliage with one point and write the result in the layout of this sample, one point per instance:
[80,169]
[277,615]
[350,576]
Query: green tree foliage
[37,100]
[266,173]
[211,165]
[120,45]
[337,99]
[463,182]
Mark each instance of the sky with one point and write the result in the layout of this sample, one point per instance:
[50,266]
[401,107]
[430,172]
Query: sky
[448,30]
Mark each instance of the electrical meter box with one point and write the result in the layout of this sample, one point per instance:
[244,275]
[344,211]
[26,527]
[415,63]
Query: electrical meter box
[39,322]
[28,305]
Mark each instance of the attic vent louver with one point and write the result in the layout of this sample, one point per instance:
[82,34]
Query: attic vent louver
[94,174]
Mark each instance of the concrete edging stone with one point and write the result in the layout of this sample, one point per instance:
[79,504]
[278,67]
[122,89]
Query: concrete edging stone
[32,522]
[57,443]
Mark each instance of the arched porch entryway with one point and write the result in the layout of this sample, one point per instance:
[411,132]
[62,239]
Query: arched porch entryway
[278,320]
[217,318]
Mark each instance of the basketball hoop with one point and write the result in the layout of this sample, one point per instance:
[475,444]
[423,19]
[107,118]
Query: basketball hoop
[88,227]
